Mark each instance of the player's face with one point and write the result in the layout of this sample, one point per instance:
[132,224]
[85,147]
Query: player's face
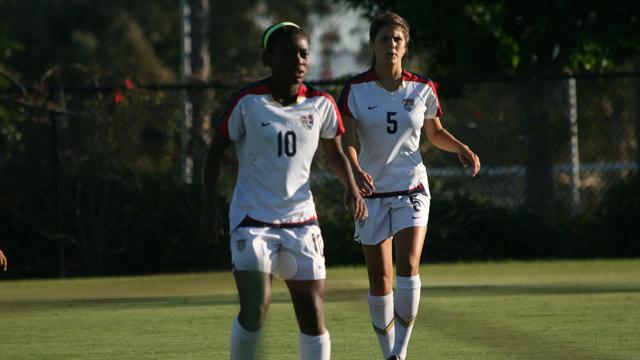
[389,46]
[290,59]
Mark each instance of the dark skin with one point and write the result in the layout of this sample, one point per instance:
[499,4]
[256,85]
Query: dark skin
[288,61]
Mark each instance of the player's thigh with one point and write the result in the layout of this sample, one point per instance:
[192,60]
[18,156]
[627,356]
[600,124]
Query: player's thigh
[409,218]
[254,292]
[409,243]
[308,302]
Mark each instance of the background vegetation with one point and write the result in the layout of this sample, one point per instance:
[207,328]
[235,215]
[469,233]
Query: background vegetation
[90,149]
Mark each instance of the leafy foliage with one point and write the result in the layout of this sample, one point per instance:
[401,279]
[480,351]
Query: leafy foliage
[461,38]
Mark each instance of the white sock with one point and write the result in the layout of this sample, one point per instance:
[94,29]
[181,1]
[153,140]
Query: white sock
[315,347]
[243,343]
[406,304]
[381,310]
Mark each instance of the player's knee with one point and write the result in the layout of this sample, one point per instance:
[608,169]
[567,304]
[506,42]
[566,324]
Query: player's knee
[408,267]
[381,285]
[252,317]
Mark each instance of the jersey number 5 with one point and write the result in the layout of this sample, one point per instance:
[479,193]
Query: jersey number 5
[393,128]
[287,143]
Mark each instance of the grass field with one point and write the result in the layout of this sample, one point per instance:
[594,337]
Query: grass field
[510,310]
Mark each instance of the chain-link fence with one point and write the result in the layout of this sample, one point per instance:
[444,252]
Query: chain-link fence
[102,169]
[587,126]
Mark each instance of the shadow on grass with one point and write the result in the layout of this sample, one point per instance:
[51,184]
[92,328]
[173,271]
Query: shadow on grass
[356,294]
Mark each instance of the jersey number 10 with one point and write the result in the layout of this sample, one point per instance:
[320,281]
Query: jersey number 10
[287,143]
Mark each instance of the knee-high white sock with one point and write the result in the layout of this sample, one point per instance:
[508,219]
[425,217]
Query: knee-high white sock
[406,304]
[243,342]
[381,310]
[315,347]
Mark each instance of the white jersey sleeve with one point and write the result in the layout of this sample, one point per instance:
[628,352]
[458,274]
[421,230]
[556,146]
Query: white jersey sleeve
[232,123]
[431,101]
[332,125]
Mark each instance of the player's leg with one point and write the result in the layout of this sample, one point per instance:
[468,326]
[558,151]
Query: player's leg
[410,220]
[304,247]
[251,250]
[308,302]
[254,291]
[374,234]
[379,260]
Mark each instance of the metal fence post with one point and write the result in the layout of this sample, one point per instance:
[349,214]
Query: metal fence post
[574,152]
[185,74]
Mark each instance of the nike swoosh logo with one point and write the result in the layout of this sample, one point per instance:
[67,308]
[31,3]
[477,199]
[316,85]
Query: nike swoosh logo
[265,124]
[373,107]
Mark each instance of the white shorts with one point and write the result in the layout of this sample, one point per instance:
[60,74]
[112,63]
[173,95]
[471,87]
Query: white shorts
[289,253]
[388,215]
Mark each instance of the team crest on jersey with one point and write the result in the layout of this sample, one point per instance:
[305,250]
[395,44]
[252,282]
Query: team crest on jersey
[240,244]
[307,121]
[407,104]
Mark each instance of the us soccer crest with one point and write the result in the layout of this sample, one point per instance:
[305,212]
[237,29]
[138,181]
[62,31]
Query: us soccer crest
[407,104]
[307,121]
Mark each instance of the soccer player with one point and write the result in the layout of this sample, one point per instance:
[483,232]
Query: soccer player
[3,261]
[387,107]
[276,125]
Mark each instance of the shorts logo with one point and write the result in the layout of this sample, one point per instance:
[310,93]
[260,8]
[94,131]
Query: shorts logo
[307,121]
[240,244]
[407,104]
[361,222]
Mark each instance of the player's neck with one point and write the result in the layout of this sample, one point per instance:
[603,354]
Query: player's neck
[285,94]
[389,76]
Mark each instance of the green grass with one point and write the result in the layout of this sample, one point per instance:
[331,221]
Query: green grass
[510,310]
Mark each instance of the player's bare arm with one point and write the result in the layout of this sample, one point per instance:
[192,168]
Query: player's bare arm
[210,219]
[340,165]
[3,261]
[439,137]
[362,178]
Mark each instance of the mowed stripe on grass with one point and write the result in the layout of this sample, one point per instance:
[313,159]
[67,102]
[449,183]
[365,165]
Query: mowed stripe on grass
[505,310]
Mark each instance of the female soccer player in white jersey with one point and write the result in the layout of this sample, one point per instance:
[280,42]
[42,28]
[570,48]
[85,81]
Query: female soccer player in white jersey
[387,106]
[276,125]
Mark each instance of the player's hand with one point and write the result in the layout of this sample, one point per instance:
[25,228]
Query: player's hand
[3,261]
[210,225]
[467,157]
[364,182]
[356,203]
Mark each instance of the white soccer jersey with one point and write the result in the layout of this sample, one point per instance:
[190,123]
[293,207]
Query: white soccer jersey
[275,146]
[389,124]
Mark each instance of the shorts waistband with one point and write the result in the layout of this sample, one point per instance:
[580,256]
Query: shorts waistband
[249,222]
[416,190]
